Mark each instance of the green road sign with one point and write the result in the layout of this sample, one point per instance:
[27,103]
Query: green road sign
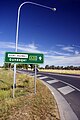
[24,58]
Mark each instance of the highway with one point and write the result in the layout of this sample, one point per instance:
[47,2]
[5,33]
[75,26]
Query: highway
[67,85]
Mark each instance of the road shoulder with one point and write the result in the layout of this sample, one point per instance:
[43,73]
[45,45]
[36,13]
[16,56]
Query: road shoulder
[66,112]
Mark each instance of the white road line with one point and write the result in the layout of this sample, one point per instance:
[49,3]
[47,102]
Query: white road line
[31,74]
[20,72]
[38,75]
[67,84]
[52,81]
[66,90]
[70,85]
[43,77]
[66,112]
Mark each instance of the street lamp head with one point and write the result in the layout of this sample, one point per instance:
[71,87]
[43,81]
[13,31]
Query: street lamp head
[54,9]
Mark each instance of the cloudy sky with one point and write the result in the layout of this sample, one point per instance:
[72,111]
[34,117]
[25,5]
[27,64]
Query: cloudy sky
[56,34]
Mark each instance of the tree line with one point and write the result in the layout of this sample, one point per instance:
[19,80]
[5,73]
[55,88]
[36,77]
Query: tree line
[24,66]
[62,67]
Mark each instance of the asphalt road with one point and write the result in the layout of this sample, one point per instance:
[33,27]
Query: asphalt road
[67,85]
[73,81]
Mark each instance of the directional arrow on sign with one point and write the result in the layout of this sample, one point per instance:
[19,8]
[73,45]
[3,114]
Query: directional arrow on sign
[40,58]
[10,59]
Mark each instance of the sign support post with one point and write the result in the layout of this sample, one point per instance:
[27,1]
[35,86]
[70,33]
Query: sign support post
[35,81]
[14,81]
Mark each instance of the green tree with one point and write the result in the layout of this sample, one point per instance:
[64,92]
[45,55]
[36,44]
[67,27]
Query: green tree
[6,65]
[37,66]
[47,67]
[26,66]
[32,66]
[52,67]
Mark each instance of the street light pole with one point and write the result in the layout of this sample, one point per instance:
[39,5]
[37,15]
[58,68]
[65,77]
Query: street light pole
[17,32]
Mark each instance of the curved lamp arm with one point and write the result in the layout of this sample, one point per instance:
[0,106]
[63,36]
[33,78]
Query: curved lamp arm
[17,30]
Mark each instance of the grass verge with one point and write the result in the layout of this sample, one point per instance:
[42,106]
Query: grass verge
[62,71]
[25,105]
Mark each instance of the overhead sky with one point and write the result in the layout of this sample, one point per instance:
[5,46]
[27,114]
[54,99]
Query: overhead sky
[56,34]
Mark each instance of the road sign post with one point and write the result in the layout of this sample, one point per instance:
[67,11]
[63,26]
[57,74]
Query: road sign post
[14,81]
[35,81]
[23,58]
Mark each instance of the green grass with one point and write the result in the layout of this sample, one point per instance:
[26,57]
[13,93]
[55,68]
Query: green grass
[25,105]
